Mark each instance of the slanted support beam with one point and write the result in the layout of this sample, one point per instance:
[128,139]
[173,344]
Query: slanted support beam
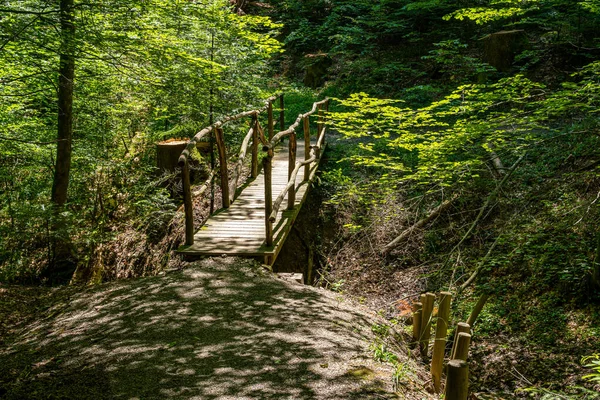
[306,123]
[267,165]
[281,114]
[291,167]
[271,122]
[187,201]
[254,172]
[223,167]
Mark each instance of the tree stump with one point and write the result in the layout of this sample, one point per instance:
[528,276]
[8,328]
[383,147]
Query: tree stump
[316,70]
[167,154]
[500,48]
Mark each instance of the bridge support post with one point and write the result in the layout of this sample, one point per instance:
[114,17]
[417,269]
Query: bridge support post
[325,117]
[223,167]
[271,122]
[306,122]
[281,113]
[267,164]
[187,201]
[319,120]
[254,172]
[291,167]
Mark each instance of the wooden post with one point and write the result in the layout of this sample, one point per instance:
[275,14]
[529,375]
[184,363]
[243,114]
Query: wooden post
[271,122]
[254,172]
[223,167]
[281,114]
[187,201]
[267,164]
[325,118]
[319,119]
[457,380]
[427,299]
[460,328]
[478,307]
[462,346]
[439,345]
[418,310]
[291,166]
[309,269]
[306,122]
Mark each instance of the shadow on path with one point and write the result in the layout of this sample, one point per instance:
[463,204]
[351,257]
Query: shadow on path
[218,330]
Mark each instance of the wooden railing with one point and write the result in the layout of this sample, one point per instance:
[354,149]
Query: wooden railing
[228,187]
[253,137]
[272,208]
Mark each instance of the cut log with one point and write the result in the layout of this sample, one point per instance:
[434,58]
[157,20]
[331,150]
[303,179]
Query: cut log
[168,152]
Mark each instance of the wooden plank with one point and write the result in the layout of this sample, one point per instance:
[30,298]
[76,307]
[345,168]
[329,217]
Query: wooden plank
[240,229]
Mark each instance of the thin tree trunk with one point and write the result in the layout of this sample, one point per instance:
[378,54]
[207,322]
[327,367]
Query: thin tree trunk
[62,170]
[62,266]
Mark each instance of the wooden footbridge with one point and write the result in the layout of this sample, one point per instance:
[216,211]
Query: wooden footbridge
[251,223]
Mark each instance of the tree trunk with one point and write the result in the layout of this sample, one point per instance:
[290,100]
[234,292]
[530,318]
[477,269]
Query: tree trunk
[63,264]
[65,105]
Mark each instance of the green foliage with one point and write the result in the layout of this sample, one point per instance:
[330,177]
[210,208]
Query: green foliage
[145,71]
[482,15]
[448,59]
[592,362]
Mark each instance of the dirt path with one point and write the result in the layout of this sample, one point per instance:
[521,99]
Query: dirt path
[220,329]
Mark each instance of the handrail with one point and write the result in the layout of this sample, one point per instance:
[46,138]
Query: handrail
[314,155]
[196,138]
[227,189]
[272,208]
[237,172]
[280,135]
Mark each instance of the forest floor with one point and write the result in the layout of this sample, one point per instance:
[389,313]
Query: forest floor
[217,329]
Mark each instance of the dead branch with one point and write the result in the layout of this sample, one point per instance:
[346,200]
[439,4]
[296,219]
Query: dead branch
[477,310]
[479,267]
[420,224]
[490,198]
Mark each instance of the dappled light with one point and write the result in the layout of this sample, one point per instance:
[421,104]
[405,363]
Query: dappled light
[218,329]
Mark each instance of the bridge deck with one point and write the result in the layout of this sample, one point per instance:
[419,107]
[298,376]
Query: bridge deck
[240,229]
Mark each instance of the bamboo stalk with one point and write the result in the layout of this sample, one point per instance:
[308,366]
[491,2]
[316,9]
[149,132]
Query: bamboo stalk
[439,345]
